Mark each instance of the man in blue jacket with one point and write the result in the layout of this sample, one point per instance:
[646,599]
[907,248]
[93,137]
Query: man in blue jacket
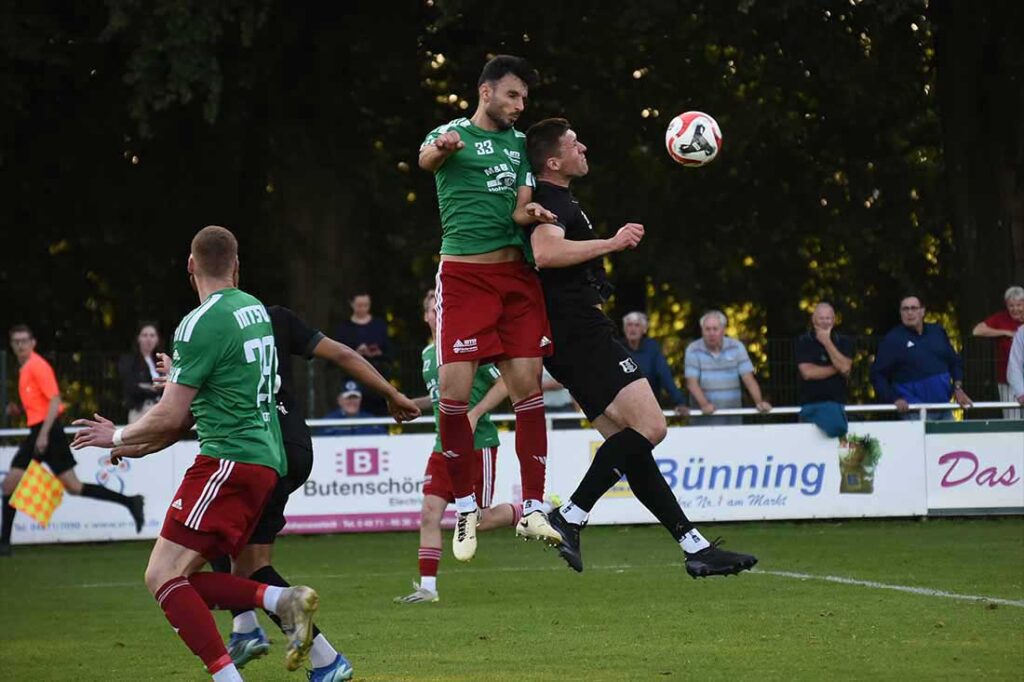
[647,354]
[916,363]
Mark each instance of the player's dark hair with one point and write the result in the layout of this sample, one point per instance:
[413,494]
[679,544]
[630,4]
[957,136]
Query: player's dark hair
[920,299]
[19,329]
[505,64]
[215,250]
[542,141]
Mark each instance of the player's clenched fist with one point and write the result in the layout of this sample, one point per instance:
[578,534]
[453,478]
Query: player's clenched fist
[449,142]
[628,236]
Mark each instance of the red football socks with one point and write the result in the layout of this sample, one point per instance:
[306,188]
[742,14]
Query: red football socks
[430,559]
[531,445]
[192,620]
[457,443]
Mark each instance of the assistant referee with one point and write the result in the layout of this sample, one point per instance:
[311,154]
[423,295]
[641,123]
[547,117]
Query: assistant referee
[40,399]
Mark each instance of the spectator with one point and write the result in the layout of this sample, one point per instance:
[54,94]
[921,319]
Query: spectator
[138,371]
[1015,369]
[350,406]
[368,335]
[916,363]
[716,365]
[824,360]
[1001,326]
[647,354]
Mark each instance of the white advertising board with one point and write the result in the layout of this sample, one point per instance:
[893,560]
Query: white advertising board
[726,473]
[784,471]
[972,471]
[729,473]
[79,519]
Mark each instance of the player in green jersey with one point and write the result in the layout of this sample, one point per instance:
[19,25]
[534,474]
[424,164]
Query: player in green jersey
[489,302]
[488,392]
[224,372]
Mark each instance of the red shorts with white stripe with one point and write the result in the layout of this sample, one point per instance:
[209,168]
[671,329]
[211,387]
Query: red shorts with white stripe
[490,311]
[439,484]
[218,505]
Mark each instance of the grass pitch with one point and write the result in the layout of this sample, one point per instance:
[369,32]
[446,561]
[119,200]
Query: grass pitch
[517,613]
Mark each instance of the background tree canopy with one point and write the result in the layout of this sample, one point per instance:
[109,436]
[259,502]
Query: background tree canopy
[871,148]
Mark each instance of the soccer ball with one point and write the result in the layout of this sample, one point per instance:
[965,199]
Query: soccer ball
[693,139]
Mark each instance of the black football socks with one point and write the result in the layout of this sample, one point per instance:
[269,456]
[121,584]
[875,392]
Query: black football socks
[649,486]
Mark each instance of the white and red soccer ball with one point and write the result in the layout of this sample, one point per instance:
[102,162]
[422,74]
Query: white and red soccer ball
[693,139]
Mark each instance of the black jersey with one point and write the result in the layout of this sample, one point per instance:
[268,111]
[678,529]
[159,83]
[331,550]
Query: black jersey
[292,336]
[583,284]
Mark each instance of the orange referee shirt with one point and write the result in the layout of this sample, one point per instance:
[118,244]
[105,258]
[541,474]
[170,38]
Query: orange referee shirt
[37,384]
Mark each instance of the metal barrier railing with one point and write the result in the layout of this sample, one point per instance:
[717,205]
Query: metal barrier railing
[921,408]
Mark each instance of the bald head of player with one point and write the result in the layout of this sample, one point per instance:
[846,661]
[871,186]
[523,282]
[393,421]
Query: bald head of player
[503,87]
[213,262]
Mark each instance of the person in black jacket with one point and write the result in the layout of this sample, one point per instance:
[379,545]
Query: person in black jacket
[367,335]
[138,370]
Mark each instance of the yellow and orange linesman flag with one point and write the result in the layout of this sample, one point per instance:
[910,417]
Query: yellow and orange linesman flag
[38,494]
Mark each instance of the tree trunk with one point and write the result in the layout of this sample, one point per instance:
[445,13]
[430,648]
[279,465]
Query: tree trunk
[315,221]
[980,64]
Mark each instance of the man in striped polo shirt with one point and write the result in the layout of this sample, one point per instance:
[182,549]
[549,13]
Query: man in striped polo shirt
[716,365]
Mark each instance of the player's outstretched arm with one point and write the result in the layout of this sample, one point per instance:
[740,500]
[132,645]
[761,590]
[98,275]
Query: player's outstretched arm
[360,369]
[552,250]
[494,397]
[143,449]
[434,154]
[167,420]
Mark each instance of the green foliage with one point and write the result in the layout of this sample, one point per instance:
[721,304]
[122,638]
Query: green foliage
[177,50]
[863,450]
[828,185]
[298,124]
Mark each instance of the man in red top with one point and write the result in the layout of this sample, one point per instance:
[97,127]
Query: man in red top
[1002,326]
[40,398]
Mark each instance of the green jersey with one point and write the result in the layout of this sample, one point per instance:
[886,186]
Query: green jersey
[225,349]
[486,434]
[477,187]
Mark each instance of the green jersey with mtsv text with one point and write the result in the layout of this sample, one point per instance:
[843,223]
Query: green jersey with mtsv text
[225,349]
[477,188]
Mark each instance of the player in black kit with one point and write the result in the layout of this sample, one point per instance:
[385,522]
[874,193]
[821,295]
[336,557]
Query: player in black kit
[596,368]
[292,336]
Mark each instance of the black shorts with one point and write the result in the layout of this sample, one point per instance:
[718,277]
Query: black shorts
[58,454]
[588,359]
[271,522]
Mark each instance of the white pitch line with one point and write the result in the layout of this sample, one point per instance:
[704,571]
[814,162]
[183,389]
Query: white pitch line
[928,592]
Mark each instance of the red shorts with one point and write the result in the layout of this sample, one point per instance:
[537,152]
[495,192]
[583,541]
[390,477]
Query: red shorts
[439,484]
[490,311]
[217,505]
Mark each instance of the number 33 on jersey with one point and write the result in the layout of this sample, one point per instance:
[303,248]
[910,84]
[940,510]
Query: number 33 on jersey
[477,188]
[225,349]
